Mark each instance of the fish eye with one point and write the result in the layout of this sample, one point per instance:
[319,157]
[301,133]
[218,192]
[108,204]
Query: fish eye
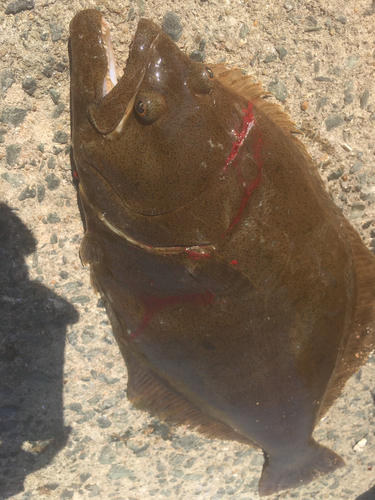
[210,73]
[202,79]
[149,107]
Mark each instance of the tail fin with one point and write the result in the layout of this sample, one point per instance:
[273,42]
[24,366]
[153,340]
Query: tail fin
[282,474]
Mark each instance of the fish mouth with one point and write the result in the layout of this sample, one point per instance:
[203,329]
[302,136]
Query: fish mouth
[110,79]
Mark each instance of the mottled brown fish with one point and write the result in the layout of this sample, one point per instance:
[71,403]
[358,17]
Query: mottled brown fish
[241,298]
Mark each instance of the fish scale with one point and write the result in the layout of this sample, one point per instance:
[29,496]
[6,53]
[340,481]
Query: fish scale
[241,298]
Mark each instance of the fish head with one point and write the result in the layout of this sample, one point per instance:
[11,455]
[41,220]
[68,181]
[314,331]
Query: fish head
[150,149]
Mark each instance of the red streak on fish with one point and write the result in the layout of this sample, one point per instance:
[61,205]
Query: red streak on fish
[155,304]
[196,255]
[247,124]
[75,173]
[234,262]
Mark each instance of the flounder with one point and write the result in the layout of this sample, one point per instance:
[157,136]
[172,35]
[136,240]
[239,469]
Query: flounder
[241,298]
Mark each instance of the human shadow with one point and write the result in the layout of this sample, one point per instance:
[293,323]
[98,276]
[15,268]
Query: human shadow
[33,323]
[368,495]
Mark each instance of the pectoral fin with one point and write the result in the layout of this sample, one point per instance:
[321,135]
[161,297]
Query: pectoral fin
[220,277]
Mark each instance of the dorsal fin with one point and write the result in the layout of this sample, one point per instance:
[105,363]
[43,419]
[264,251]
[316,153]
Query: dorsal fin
[244,85]
[362,338]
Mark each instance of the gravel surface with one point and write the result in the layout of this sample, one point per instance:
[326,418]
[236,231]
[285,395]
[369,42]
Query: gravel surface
[67,429]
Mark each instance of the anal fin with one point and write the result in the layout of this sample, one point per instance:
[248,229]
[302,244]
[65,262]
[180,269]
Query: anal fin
[147,391]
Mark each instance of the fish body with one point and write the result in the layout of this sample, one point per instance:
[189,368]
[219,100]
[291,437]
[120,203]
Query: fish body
[241,298]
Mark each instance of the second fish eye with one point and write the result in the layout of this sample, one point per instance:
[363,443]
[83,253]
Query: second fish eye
[140,107]
[210,72]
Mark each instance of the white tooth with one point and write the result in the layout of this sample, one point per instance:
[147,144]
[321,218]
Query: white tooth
[111,77]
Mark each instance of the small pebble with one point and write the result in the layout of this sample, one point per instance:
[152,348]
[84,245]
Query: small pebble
[84,477]
[60,67]
[13,115]
[360,446]
[364,99]
[41,192]
[80,299]
[282,52]
[244,31]
[357,210]
[51,163]
[322,79]
[67,494]
[337,71]
[119,472]
[172,26]
[15,180]
[270,58]
[53,218]
[19,5]
[6,79]
[55,95]
[341,19]
[312,20]
[333,121]
[278,87]
[197,55]
[107,455]
[29,85]
[53,182]
[336,175]
[12,153]
[28,192]
[60,137]
[356,167]
[304,105]
[48,70]
[289,5]
[58,110]
[348,97]
[352,60]
[56,31]
[322,101]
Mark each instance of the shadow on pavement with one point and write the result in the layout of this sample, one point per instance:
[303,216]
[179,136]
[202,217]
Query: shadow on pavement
[33,323]
[368,495]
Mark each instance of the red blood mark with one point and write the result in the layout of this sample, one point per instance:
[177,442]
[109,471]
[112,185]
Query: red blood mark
[155,304]
[247,124]
[75,173]
[234,262]
[196,255]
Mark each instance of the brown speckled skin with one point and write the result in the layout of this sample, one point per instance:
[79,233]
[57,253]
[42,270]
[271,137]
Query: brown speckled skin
[255,333]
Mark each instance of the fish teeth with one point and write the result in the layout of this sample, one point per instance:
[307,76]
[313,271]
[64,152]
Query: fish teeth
[110,79]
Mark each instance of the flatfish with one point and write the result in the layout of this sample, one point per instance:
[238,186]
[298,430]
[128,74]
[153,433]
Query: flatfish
[241,298]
